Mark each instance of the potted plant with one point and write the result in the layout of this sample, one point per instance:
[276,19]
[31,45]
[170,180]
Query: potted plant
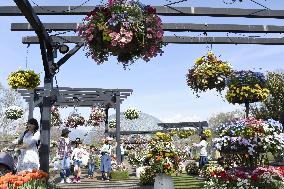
[14,112]
[97,116]
[163,158]
[55,117]
[112,123]
[208,73]
[126,29]
[23,79]
[74,120]
[131,114]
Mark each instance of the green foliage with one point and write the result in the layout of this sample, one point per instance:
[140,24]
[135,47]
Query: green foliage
[119,175]
[148,177]
[192,168]
[273,106]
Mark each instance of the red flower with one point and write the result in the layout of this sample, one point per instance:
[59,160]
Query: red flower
[150,10]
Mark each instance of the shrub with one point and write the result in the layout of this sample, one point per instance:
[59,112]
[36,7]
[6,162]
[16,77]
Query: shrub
[192,168]
[119,175]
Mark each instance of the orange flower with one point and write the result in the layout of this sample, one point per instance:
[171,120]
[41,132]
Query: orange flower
[158,158]
[4,186]
[18,183]
[34,171]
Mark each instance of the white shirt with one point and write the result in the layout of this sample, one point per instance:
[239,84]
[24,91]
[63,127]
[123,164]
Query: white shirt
[78,153]
[106,148]
[121,149]
[203,147]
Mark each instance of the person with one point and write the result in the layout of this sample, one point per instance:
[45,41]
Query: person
[28,143]
[64,152]
[77,156]
[203,160]
[105,159]
[93,155]
[122,151]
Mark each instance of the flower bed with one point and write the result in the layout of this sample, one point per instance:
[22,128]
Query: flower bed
[14,112]
[261,177]
[97,116]
[122,28]
[246,87]
[131,114]
[208,73]
[22,180]
[23,79]
[246,142]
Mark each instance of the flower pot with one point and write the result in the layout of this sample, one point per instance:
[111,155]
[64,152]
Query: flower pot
[163,181]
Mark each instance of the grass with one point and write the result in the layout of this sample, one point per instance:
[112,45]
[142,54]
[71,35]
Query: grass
[185,181]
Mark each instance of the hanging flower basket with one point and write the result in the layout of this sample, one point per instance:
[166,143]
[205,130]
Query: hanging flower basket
[126,29]
[112,123]
[131,114]
[208,73]
[24,79]
[246,87]
[74,120]
[55,117]
[14,112]
[97,116]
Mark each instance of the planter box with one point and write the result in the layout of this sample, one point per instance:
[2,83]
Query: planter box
[163,181]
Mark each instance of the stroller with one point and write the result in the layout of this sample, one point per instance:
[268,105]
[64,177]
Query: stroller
[7,163]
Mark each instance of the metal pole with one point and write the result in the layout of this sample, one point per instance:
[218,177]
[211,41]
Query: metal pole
[247,109]
[31,107]
[45,126]
[117,104]
[106,123]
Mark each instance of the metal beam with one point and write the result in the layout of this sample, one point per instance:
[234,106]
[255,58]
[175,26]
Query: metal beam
[67,56]
[45,41]
[161,10]
[172,27]
[177,40]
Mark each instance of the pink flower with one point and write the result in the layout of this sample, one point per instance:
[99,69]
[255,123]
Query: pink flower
[121,38]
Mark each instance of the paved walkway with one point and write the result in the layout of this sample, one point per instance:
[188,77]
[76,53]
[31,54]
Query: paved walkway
[97,183]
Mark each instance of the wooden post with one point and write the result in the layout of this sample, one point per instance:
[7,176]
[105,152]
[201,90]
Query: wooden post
[117,105]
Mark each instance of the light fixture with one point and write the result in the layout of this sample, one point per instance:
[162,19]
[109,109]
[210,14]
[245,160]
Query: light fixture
[63,49]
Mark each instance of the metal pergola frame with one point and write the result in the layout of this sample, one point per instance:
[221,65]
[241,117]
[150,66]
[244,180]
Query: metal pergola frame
[79,97]
[48,44]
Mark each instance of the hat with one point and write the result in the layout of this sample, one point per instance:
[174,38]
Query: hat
[109,138]
[65,131]
[78,141]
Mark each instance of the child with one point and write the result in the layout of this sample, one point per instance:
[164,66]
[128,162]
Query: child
[93,155]
[203,160]
[64,153]
[77,155]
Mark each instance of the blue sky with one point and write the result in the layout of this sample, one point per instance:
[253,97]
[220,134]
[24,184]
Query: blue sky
[160,85]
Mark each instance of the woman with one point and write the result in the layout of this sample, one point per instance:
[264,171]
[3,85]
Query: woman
[64,152]
[28,143]
[105,159]
[203,160]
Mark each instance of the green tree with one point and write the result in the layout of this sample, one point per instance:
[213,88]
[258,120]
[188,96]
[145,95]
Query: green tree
[273,106]
[9,97]
[220,118]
